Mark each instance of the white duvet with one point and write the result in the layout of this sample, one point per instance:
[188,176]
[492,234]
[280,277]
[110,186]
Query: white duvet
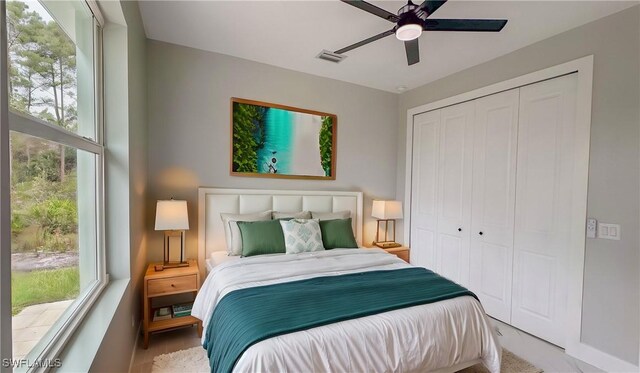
[423,338]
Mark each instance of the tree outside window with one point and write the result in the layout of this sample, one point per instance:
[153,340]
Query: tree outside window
[54,193]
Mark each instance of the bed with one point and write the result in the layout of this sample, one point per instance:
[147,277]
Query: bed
[442,336]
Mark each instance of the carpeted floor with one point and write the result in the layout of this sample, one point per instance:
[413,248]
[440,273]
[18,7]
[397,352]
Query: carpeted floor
[195,360]
[510,364]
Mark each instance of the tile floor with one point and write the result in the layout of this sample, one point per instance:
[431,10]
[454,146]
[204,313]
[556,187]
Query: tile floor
[32,323]
[550,358]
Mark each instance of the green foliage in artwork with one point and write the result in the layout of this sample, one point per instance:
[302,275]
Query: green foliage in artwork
[248,136]
[326,144]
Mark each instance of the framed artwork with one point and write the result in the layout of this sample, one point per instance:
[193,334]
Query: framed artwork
[269,140]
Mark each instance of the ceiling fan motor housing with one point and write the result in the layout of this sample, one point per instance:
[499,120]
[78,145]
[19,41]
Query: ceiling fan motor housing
[407,8]
[408,19]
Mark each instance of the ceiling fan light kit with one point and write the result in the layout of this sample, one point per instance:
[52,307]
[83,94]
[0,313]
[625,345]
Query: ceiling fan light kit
[413,19]
[408,32]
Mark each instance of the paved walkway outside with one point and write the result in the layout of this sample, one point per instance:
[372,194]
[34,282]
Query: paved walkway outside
[32,323]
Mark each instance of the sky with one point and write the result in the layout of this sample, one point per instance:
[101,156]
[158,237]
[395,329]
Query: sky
[38,8]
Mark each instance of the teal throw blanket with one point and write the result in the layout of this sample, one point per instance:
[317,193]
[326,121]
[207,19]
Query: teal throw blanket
[247,316]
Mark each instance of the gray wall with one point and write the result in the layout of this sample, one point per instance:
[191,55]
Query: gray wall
[611,294]
[189,129]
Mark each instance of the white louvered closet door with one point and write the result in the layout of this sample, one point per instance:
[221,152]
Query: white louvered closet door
[454,192]
[493,201]
[547,128]
[426,135]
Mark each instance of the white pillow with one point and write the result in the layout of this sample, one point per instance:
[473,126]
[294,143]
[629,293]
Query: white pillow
[219,257]
[295,215]
[232,232]
[302,235]
[331,215]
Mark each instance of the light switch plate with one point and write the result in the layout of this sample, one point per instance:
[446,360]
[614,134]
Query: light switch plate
[609,231]
[592,225]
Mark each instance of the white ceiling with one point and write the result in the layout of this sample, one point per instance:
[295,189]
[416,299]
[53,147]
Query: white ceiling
[290,34]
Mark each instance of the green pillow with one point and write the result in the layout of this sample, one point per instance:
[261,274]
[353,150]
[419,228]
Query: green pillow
[337,233]
[261,237]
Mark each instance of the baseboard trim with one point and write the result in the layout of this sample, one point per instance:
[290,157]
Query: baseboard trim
[135,346]
[600,359]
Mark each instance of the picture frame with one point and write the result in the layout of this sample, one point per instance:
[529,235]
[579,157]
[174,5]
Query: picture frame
[278,141]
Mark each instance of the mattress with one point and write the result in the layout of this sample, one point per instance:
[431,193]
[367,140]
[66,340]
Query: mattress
[416,339]
[218,257]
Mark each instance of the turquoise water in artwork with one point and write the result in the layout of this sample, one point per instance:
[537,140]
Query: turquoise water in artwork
[278,146]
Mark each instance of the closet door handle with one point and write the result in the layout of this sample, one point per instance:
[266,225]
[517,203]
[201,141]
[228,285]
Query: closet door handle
[459,229]
[480,233]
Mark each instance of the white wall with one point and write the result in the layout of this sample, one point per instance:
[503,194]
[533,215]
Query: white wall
[611,295]
[189,129]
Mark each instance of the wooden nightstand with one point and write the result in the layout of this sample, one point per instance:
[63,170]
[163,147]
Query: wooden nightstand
[170,281]
[401,252]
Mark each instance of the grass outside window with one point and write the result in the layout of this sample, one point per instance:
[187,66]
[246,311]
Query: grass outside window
[35,287]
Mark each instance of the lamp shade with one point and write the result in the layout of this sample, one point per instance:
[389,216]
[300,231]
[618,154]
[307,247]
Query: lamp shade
[387,210]
[171,215]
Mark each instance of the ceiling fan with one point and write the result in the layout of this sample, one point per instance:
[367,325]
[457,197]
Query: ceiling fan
[412,19]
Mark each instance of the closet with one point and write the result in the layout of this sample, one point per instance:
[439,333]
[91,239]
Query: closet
[491,200]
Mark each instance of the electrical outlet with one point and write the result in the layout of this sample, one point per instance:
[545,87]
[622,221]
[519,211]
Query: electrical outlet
[592,225]
[609,231]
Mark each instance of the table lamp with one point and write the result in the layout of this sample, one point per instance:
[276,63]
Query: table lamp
[173,219]
[387,212]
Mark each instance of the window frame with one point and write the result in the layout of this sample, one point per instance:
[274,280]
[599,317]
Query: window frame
[47,350]
[6,335]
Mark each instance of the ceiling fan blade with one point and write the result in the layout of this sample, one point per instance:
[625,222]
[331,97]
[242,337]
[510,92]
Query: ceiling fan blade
[365,41]
[413,51]
[431,6]
[482,25]
[370,8]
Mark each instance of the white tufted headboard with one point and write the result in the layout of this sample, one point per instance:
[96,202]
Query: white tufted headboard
[214,201]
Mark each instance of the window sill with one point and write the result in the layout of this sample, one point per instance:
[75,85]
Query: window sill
[82,347]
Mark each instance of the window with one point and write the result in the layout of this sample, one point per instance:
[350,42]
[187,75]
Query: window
[56,155]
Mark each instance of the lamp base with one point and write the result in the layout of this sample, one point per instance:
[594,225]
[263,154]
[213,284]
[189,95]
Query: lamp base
[387,244]
[168,263]
[175,264]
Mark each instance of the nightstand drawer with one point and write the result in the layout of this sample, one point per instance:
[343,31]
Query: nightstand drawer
[172,285]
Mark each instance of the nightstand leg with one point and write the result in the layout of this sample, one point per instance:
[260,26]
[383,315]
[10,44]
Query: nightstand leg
[145,318]
[200,329]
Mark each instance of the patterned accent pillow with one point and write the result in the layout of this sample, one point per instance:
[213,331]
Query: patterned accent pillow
[302,235]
